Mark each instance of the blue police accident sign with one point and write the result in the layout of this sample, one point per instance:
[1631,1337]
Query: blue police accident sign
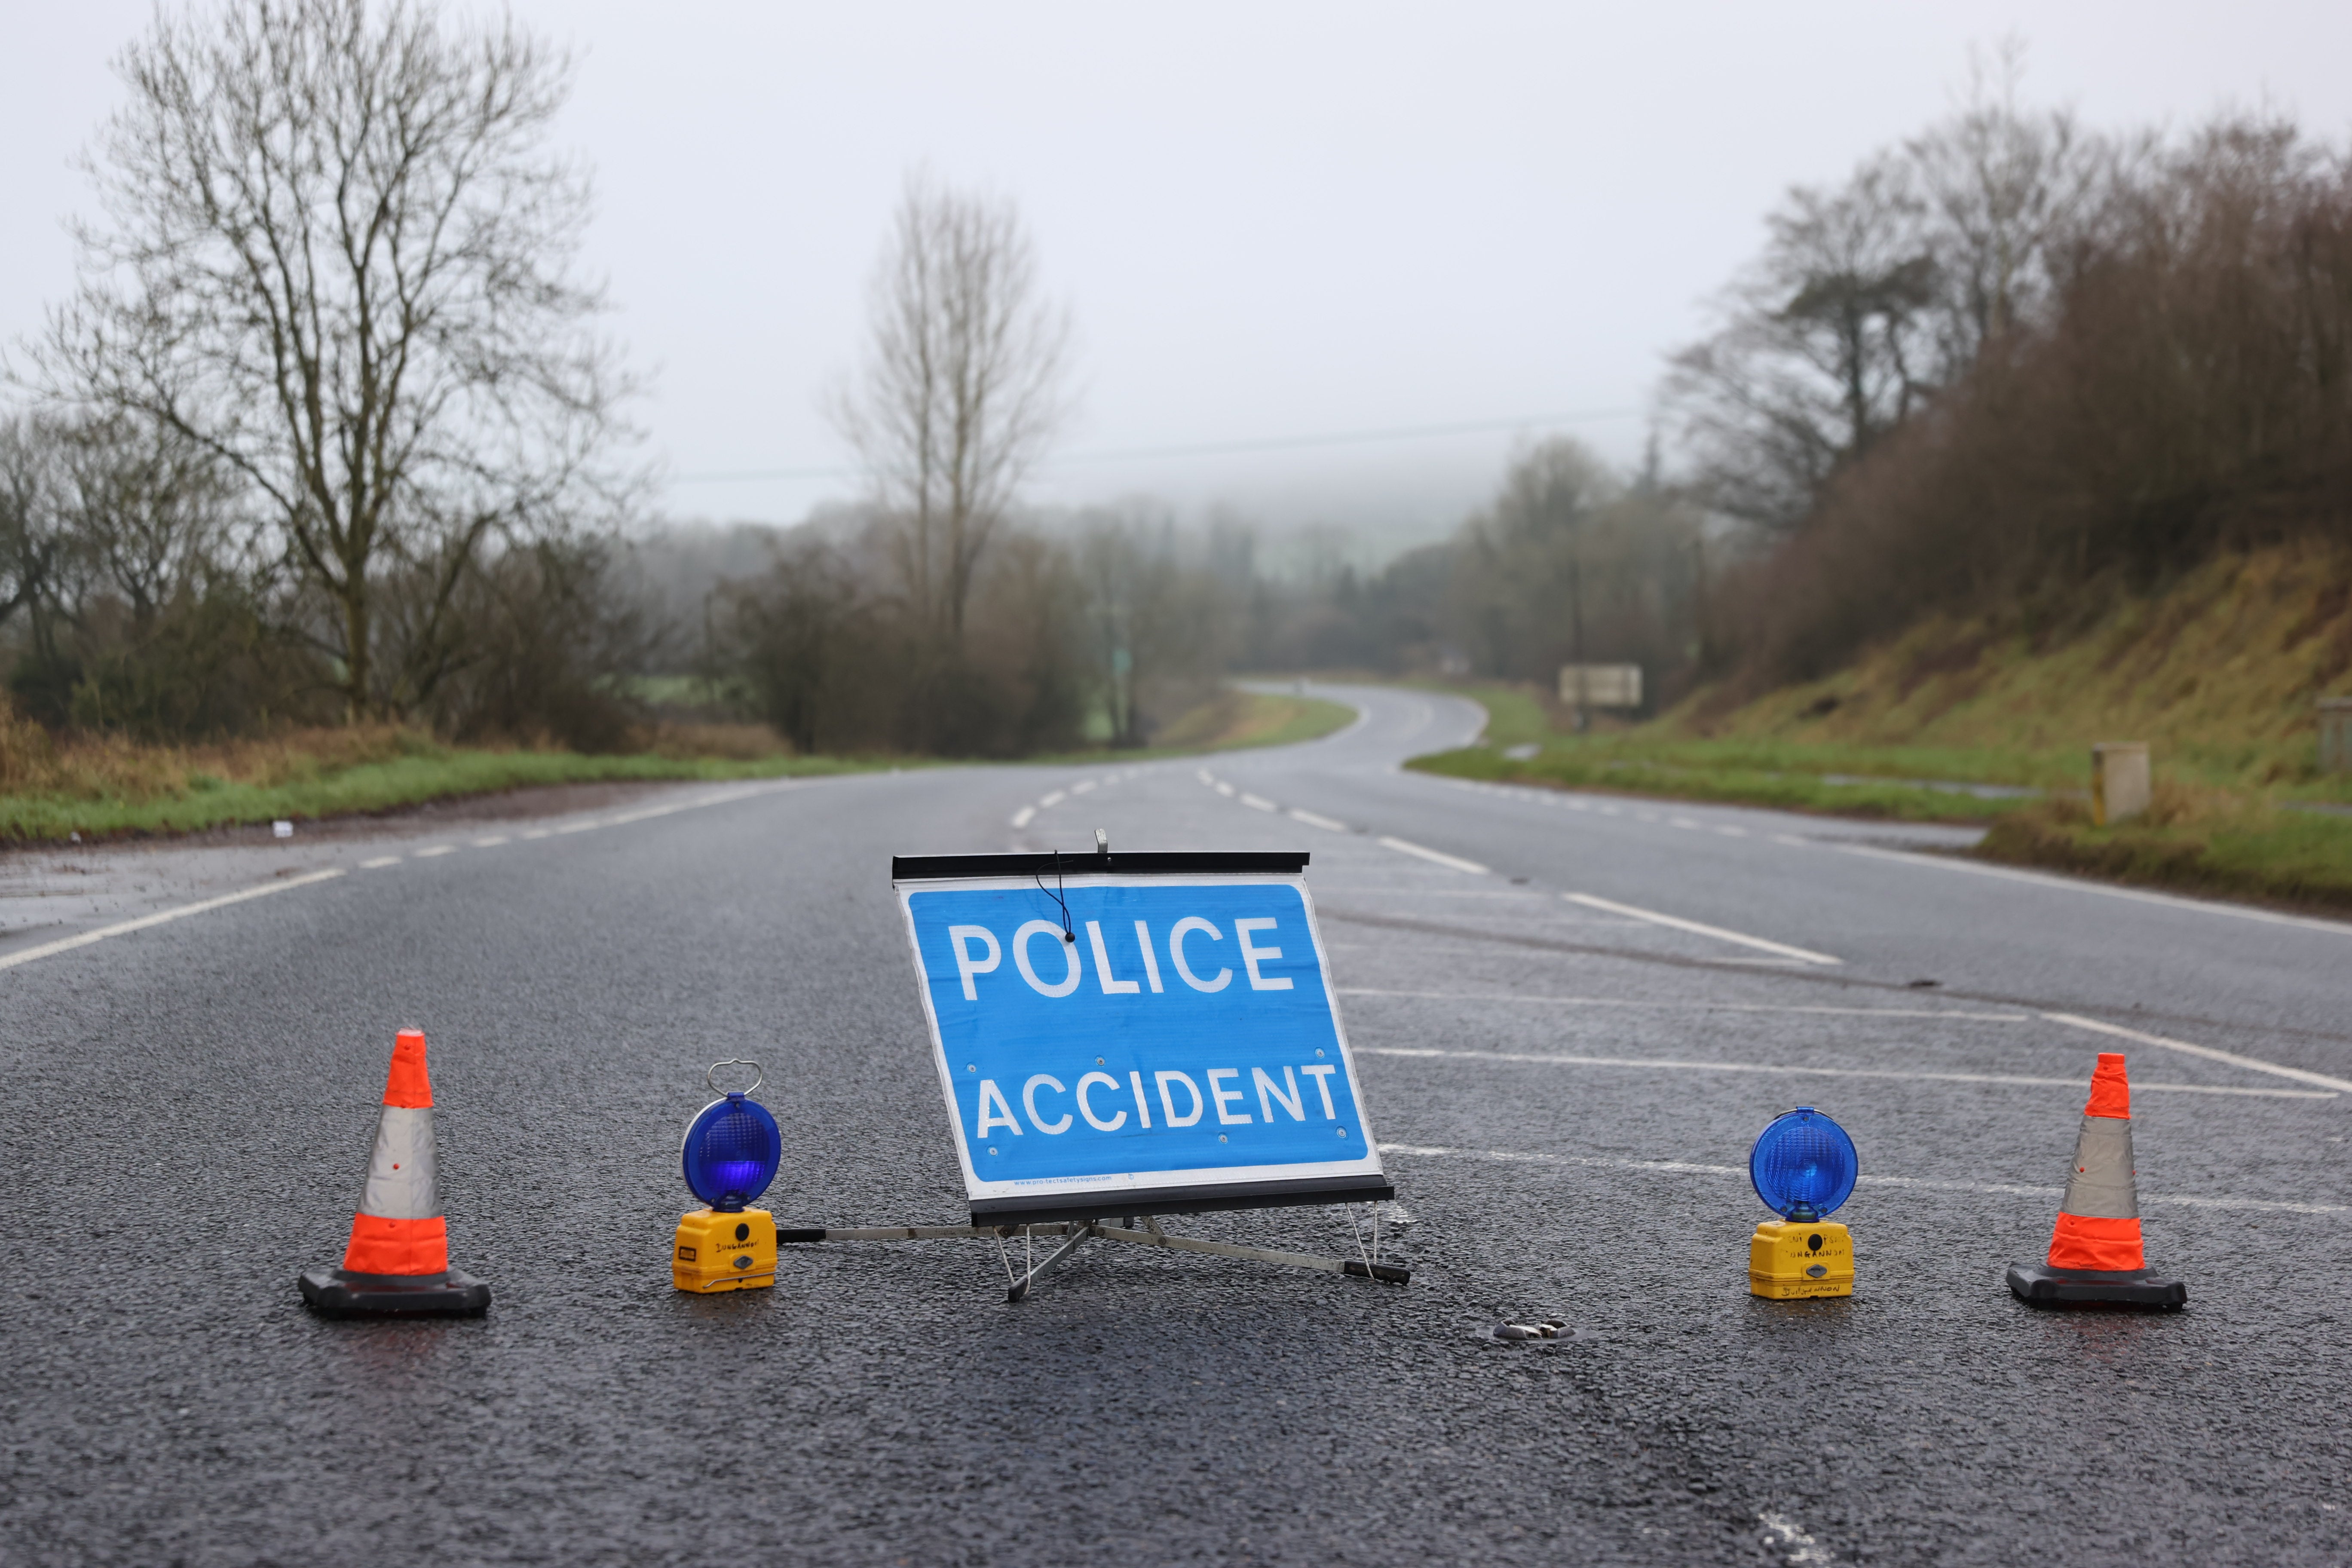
[1184,1046]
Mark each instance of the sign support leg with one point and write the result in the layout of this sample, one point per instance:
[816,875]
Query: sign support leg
[1078,1234]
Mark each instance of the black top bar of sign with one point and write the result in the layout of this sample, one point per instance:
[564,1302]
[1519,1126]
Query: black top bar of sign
[1125,863]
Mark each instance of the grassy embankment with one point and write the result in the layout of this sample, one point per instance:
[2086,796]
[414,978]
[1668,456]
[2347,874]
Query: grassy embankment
[108,787]
[2219,674]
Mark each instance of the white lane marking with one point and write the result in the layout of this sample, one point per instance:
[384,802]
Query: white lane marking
[1609,810]
[1993,1189]
[1436,857]
[1701,1006]
[492,842]
[1685,821]
[1258,801]
[1022,817]
[1056,798]
[1785,1534]
[1313,819]
[2042,879]
[1733,832]
[379,863]
[1678,923]
[2076,1022]
[579,827]
[1082,786]
[537,832]
[1224,789]
[1791,840]
[124,928]
[430,850]
[1667,1064]
[1205,777]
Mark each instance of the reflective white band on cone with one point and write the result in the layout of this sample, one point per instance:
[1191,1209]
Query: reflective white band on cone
[399,1180]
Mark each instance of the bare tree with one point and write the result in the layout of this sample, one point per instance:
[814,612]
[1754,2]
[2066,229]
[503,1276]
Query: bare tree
[2002,186]
[964,386]
[1827,344]
[337,259]
[147,509]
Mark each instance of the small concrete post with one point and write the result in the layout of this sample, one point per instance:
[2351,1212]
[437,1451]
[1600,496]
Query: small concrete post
[2119,780]
[2335,734]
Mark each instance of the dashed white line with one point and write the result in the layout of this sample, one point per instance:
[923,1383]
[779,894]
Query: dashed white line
[1678,923]
[492,842]
[1436,857]
[1732,832]
[2208,1052]
[2199,906]
[1222,788]
[379,863]
[124,928]
[1993,1189]
[1700,1006]
[1314,820]
[1258,801]
[1082,786]
[1023,817]
[1685,821]
[579,827]
[1669,1064]
[430,850]
[1056,798]
[537,832]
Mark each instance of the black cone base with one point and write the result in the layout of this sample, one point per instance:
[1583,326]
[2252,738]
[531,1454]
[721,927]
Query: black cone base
[2042,1286]
[338,1293]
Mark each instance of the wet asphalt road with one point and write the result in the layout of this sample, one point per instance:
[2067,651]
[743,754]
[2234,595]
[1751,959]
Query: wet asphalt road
[1566,1091]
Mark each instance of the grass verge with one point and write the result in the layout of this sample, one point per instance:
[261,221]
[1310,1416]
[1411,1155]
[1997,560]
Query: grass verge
[2220,845]
[431,772]
[2235,839]
[1232,720]
[103,787]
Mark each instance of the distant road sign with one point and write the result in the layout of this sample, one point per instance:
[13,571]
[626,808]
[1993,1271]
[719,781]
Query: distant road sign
[1600,685]
[1184,1052]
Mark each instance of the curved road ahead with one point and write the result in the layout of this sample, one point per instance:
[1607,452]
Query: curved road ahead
[1572,1015]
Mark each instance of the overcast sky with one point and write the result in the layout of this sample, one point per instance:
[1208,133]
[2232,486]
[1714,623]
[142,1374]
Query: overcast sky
[1272,222]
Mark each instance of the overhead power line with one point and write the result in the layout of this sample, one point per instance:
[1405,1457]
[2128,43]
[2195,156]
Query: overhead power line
[1215,448]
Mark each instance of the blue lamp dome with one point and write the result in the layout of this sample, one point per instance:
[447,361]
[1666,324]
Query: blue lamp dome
[1803,1165]
[732,1152]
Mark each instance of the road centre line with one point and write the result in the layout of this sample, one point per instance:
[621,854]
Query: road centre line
[1678,923]
[1257,802]
[431,850]
[1995,1189]
[1437,856]
[1082,786]
[1665,1064]
[1056,798]
[2200,906]
[124,928]
[1700,1006]
[492,842]
[1222,788]
[1023,817]
[1314,819]
[380,862]
[2077,1022]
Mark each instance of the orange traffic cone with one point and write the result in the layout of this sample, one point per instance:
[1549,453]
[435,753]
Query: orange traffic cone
[398,1259]
[2094,1252]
